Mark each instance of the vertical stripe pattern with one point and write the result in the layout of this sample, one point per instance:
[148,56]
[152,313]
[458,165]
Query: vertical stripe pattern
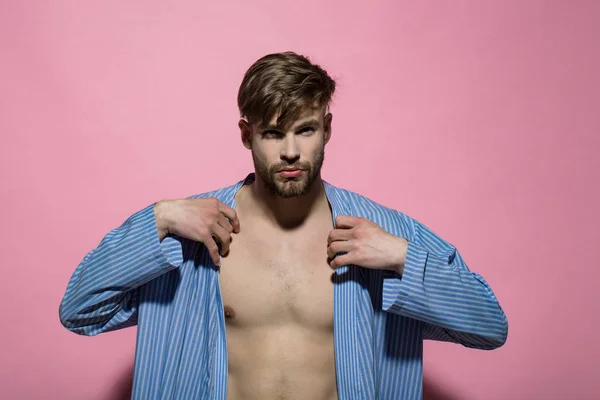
[170,290]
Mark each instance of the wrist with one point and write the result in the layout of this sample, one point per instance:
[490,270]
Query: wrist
[401,258]
[161,215]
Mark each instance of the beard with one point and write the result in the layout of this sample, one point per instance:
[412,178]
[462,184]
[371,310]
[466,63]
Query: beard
[289,187]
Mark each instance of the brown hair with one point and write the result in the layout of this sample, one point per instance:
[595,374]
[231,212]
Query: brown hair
[283,84]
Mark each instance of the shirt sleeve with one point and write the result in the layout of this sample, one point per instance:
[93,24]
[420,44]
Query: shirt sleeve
[103,292]
[438,289]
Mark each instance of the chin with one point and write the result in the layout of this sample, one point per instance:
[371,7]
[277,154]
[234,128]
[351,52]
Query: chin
[291,189]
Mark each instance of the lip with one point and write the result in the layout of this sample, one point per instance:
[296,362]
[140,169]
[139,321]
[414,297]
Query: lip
[290,169]
[290,172]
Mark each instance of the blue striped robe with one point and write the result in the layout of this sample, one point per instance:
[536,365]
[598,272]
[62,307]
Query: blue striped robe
[170,290]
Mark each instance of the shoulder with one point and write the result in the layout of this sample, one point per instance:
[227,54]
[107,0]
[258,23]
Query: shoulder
[224,194]
[359,205]
[394,221]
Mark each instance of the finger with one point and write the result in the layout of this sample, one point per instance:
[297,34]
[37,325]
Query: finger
[339,234]
[224,222]
[339,247]
[231,215]
[223,237]
[346,221]
[213,250]
[340,261]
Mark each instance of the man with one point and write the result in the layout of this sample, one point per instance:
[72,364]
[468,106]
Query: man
[281,286]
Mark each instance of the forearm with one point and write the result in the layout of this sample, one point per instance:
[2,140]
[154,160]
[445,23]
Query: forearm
[441,291]
[101,294]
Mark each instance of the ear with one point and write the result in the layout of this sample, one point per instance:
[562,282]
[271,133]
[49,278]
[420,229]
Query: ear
[246,133]
[327,127]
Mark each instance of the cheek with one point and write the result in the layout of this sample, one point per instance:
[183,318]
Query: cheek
[264,154]
[310,150]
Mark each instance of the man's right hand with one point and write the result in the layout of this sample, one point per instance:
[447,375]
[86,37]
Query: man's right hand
[203,220]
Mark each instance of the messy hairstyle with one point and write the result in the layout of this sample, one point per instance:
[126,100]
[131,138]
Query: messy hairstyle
[283,84]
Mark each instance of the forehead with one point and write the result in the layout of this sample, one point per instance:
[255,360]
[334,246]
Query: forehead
[306,114]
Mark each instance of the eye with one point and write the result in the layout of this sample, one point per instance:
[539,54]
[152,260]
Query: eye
[271,134]
[306,131]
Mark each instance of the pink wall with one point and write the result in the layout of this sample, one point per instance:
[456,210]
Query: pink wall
[481,119]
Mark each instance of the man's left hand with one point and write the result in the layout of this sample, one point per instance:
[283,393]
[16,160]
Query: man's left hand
[366,244]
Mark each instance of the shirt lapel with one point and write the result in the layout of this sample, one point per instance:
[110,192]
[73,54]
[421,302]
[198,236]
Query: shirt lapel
[346,285]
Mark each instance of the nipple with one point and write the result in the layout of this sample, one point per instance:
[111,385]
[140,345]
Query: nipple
[229,313]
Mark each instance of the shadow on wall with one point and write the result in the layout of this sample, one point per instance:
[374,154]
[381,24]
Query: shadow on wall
[122,388]
[431,391]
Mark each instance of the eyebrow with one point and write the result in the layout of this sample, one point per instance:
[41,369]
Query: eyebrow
[310,122]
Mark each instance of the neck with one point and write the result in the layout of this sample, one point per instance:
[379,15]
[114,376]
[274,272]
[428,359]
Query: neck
[288,213]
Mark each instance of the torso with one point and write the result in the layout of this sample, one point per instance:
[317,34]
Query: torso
[278,299]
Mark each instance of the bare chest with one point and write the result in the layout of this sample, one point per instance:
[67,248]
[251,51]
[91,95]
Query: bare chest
[271,280]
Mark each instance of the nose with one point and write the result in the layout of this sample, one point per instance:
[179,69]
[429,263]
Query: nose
[290,151]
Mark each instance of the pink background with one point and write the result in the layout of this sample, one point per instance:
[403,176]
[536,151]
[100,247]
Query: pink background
[480,119]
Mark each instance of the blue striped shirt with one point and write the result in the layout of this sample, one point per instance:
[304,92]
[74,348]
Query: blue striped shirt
[170,290]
